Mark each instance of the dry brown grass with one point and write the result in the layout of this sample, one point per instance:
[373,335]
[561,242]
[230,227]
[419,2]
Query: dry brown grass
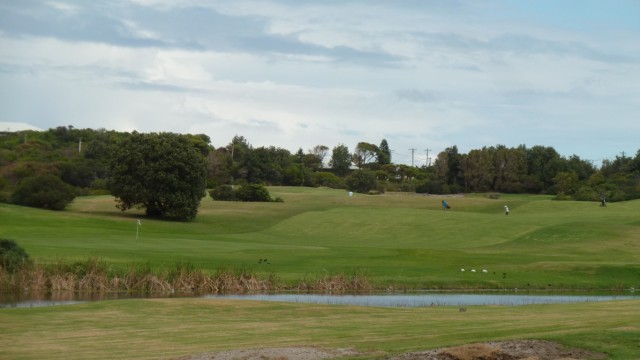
[94,276]
[339,283]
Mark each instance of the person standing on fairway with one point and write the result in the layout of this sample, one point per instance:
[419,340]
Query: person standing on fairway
[506,210]
[445,206]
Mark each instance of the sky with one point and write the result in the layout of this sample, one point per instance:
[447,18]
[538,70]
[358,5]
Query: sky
[424,75]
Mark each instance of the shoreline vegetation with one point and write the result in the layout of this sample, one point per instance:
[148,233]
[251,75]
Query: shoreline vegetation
[95,276]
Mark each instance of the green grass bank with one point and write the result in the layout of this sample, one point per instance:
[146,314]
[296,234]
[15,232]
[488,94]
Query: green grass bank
[394,240]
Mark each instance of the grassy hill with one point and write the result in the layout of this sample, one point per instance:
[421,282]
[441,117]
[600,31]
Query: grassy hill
[404,240]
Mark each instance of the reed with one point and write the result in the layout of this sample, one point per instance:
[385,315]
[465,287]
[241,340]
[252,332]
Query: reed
[336,283]
[94,275]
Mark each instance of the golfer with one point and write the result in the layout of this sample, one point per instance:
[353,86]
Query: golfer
[506,210]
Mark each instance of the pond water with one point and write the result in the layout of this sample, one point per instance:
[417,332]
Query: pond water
[420,299]
[70,298]
[428,299]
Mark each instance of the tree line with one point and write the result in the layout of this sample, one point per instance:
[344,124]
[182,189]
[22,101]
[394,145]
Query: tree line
[167,173]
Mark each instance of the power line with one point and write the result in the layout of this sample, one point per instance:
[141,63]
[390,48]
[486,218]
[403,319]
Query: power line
[412,152]
[428,162]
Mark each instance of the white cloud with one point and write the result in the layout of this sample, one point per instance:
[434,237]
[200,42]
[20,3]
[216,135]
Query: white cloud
[298,74]
[63,6]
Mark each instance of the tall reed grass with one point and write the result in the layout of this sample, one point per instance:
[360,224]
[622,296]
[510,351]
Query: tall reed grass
[94,275]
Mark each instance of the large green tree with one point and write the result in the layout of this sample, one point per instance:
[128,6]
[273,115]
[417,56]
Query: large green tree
[384,153]
[163,173]
[364,153]
[340,159]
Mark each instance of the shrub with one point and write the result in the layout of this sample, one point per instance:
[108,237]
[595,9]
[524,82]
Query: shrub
[246,192]
[431,187]
[45,191]
[12,256]
[253,192]
[361,181]
[562,196]
[586,193]
[329,180]
[223,193]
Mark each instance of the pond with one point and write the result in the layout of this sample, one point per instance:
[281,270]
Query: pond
[69,298]
[430,299]
[418,299]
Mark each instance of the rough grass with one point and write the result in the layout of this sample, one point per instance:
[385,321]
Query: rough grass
[165,328]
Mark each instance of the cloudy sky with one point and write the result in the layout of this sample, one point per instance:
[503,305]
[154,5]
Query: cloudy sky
[299,73]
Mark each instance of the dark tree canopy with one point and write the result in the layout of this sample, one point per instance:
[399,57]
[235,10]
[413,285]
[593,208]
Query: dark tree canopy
[82,158]
[45,191]
[384,153]
[365,152]
[163,173]
[340,159]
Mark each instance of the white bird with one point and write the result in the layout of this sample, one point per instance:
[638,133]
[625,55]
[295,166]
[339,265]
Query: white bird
[484,271]
[461,270]
[473,270]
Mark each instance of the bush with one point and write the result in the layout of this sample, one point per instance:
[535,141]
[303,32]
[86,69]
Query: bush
[223,193]
[253,192]
[45,191]
[12,256]
[246,192]
[329,180]
[586,193]
[562,196]
[361,181]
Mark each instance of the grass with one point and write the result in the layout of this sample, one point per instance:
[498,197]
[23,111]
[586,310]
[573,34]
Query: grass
[166,328]
[395,239]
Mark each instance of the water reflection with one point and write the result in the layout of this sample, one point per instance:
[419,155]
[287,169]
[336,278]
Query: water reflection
[430,299]
[384,300]
[28,300]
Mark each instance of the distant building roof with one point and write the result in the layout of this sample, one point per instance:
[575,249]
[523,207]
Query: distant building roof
[16,126]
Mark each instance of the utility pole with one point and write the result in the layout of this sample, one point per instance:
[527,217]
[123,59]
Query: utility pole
[428,161]
[412,152]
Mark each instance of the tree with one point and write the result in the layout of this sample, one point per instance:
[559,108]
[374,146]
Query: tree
[447,169]
[340,160]
[479,170]
[11,255]
[44,191]
[320,151]
[384,153]
[566,183]
[163,173]
[364,153]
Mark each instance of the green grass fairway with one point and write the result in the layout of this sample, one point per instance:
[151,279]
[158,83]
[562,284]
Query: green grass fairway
[168,328]
[395,239]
